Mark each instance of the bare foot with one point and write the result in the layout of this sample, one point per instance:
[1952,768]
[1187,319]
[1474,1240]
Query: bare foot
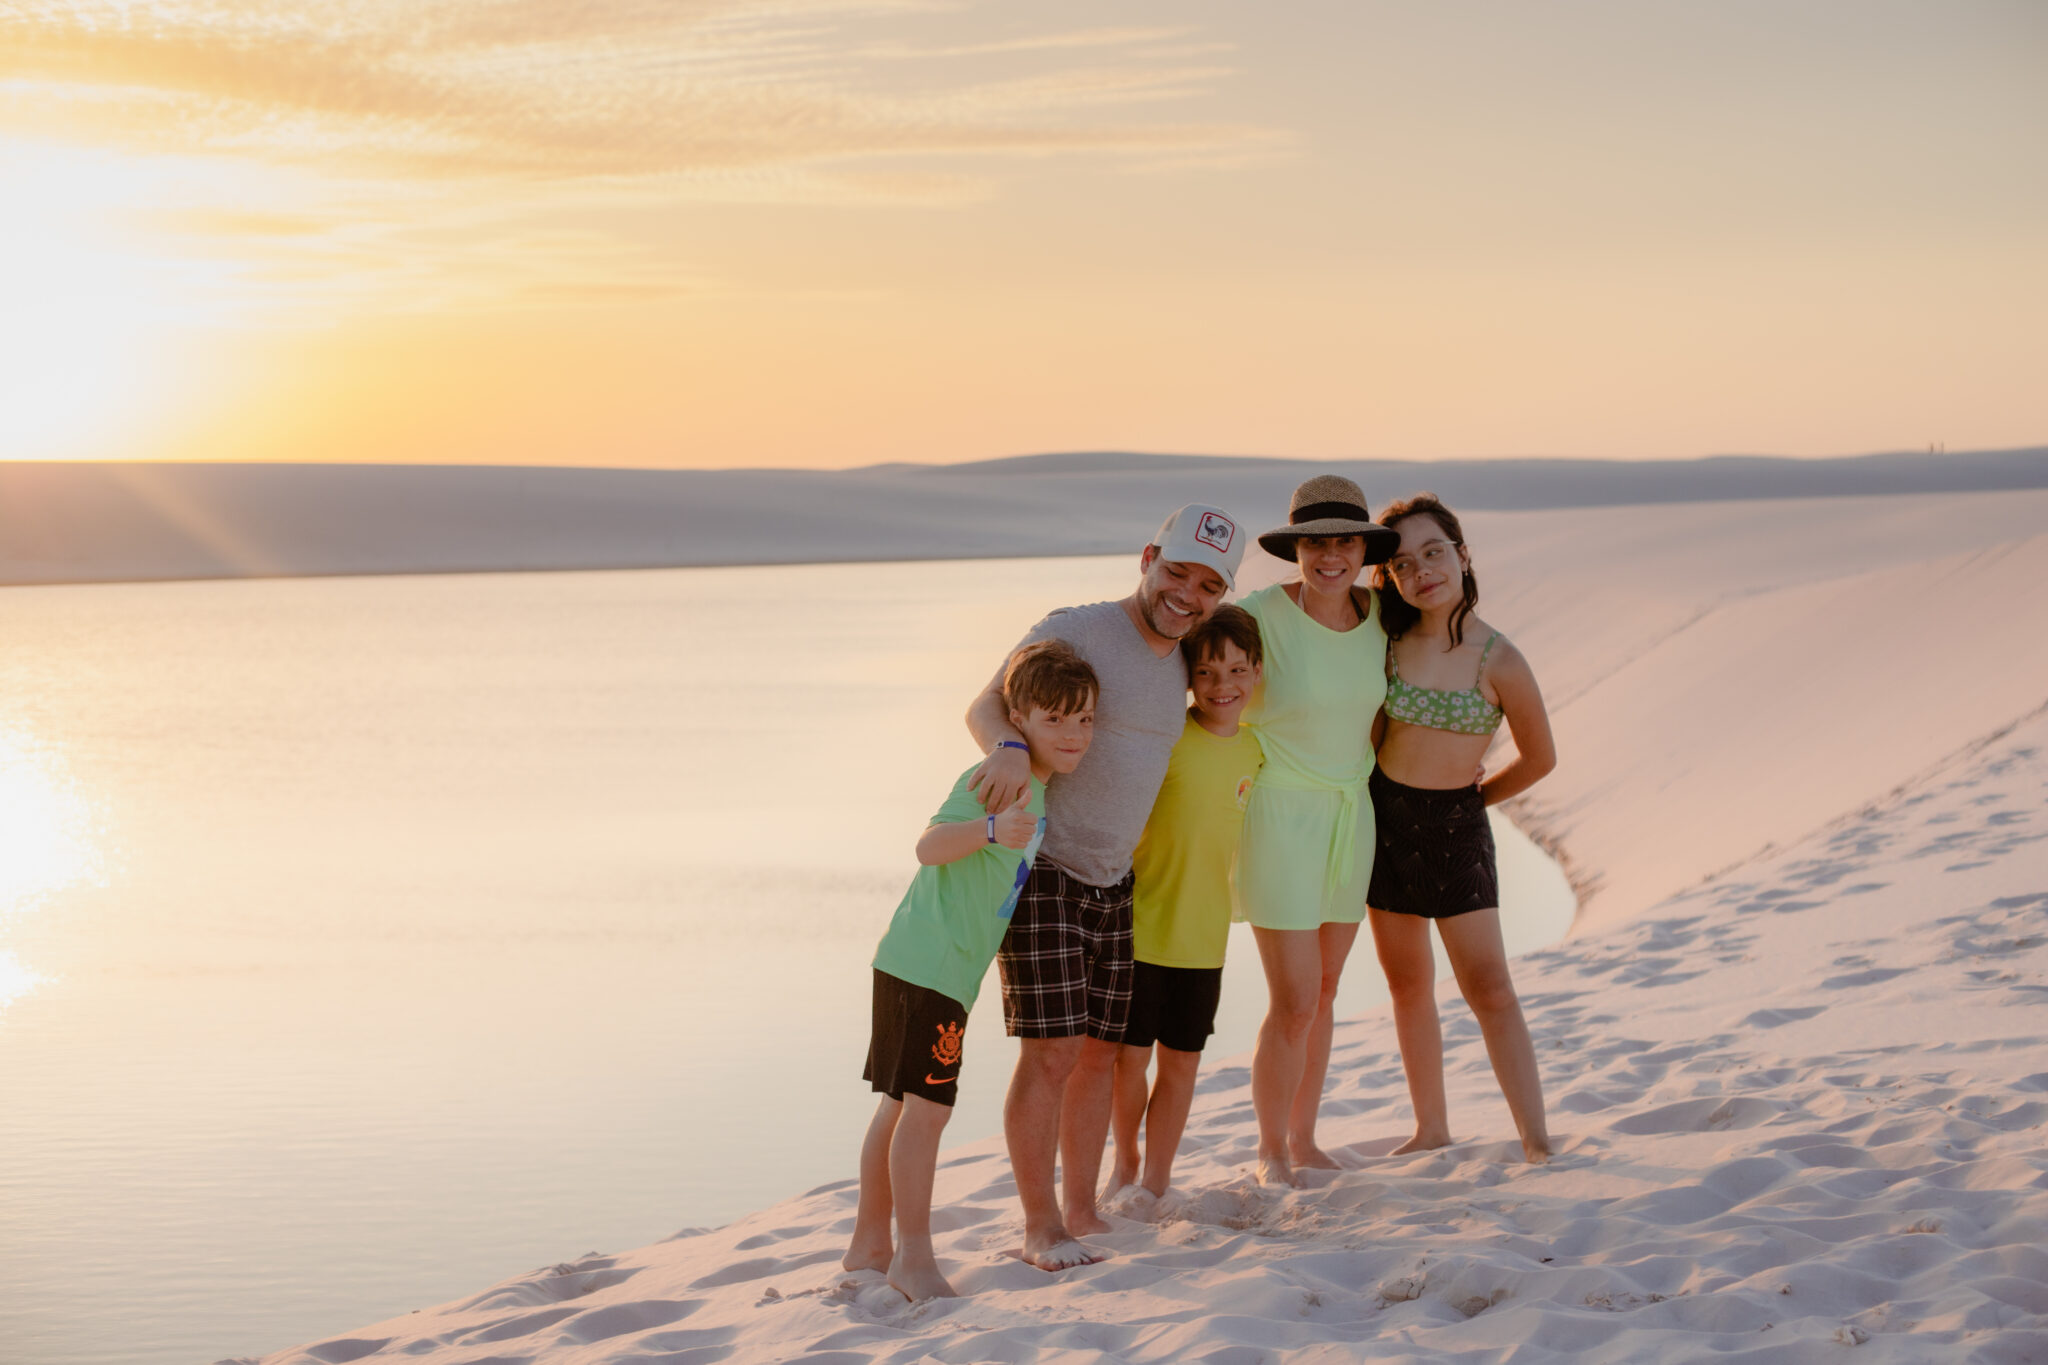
[920,1281]
[1121,1175]
[1086,1223]
[1312,1156]
[1274,1171]
[869,1255]
[1135,1201]
[1422,1142]
[1158,1192]
[1064,1254]
[1536,1153]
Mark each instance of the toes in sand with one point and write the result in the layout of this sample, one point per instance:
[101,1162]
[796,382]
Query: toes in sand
[920,1282]
[1422,1142]
[1063,1255]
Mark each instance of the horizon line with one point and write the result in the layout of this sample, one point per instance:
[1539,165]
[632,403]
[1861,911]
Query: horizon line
[1045,457]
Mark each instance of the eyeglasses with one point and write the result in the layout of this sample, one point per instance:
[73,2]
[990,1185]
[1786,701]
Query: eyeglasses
[1435,555]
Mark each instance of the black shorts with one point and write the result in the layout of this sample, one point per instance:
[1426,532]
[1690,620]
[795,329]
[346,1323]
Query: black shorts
[1434,855]
[914,1047]
[1066,961]
[1174,1006]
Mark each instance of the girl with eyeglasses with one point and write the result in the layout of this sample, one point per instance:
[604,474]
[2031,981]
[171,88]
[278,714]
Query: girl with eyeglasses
[1451,680]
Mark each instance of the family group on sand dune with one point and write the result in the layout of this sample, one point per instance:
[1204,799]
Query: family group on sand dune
[1329,773]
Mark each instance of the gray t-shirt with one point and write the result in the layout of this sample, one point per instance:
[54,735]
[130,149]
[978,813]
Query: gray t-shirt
[1094,815]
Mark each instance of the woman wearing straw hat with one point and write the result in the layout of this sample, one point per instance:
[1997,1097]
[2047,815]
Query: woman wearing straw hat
[1306,856]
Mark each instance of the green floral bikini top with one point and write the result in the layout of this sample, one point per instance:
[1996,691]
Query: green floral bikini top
[1467,712]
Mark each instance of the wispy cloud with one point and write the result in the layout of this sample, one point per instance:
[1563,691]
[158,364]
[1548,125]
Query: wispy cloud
[635,89]
[283,264]
[487,154]
[1128,38]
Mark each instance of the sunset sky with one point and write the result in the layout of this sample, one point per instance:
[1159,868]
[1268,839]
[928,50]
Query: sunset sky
[839,232]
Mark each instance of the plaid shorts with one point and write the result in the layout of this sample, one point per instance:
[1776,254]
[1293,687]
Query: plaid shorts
[1066,962]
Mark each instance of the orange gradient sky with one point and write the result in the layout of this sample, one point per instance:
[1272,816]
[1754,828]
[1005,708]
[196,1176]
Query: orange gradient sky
[839,232]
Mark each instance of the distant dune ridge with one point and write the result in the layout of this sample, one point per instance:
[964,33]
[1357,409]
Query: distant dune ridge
[1795,1047]
[107,522]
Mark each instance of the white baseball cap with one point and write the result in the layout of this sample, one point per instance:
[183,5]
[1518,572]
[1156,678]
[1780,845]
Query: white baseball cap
[1200,534]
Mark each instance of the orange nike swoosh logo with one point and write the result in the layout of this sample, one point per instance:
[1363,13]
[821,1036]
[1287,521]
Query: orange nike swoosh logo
[939,1080]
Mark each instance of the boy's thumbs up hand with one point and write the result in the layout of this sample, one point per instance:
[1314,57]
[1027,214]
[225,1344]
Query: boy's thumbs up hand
[1016,825]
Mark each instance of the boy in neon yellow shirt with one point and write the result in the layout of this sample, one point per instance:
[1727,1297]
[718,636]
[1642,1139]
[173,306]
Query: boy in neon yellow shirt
[1185,866]
[938,946]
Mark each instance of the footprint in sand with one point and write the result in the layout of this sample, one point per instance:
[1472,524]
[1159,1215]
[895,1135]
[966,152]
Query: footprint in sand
[347,1349]
[760,1269]
[510,1328]
[769,1239]
[1850,980]
[571,1280]
[617,1320]
[1711,1114]
[1778,1018]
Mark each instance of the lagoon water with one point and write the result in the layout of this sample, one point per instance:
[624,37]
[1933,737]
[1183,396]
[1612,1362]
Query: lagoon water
[366,941]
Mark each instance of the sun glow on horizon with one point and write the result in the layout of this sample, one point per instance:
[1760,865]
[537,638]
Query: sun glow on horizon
[843,232]
[90,325]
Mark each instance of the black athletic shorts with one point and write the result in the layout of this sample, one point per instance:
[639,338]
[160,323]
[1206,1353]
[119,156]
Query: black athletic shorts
[1434,855]
[1173,1005]
[914,1048]
[1066,960]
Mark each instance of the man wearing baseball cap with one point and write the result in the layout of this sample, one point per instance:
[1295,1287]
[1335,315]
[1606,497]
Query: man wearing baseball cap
[1066,961]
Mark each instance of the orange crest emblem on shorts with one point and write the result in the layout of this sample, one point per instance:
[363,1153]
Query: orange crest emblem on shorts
[947,1050]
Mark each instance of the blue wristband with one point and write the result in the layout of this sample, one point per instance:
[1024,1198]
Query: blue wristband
[1011,744]
[991,829]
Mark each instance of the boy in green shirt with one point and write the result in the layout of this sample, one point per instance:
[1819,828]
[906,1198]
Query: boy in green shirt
[931,960]
[1181,912]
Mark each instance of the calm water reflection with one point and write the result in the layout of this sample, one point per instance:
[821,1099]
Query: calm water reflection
[47,843]
[365,941]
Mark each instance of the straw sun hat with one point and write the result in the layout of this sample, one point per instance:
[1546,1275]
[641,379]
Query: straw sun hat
[1331,505]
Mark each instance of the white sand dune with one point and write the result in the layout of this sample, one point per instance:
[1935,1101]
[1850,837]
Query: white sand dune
[1729,676]
[1796,1048]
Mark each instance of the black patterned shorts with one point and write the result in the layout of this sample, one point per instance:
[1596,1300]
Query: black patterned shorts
[1066,962]
[1434,854]
[914,1046]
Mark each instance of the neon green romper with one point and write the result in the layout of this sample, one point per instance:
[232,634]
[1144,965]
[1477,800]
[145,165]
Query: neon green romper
[1306,857]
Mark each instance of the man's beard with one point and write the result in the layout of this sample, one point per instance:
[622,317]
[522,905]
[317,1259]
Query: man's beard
[1154,612]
